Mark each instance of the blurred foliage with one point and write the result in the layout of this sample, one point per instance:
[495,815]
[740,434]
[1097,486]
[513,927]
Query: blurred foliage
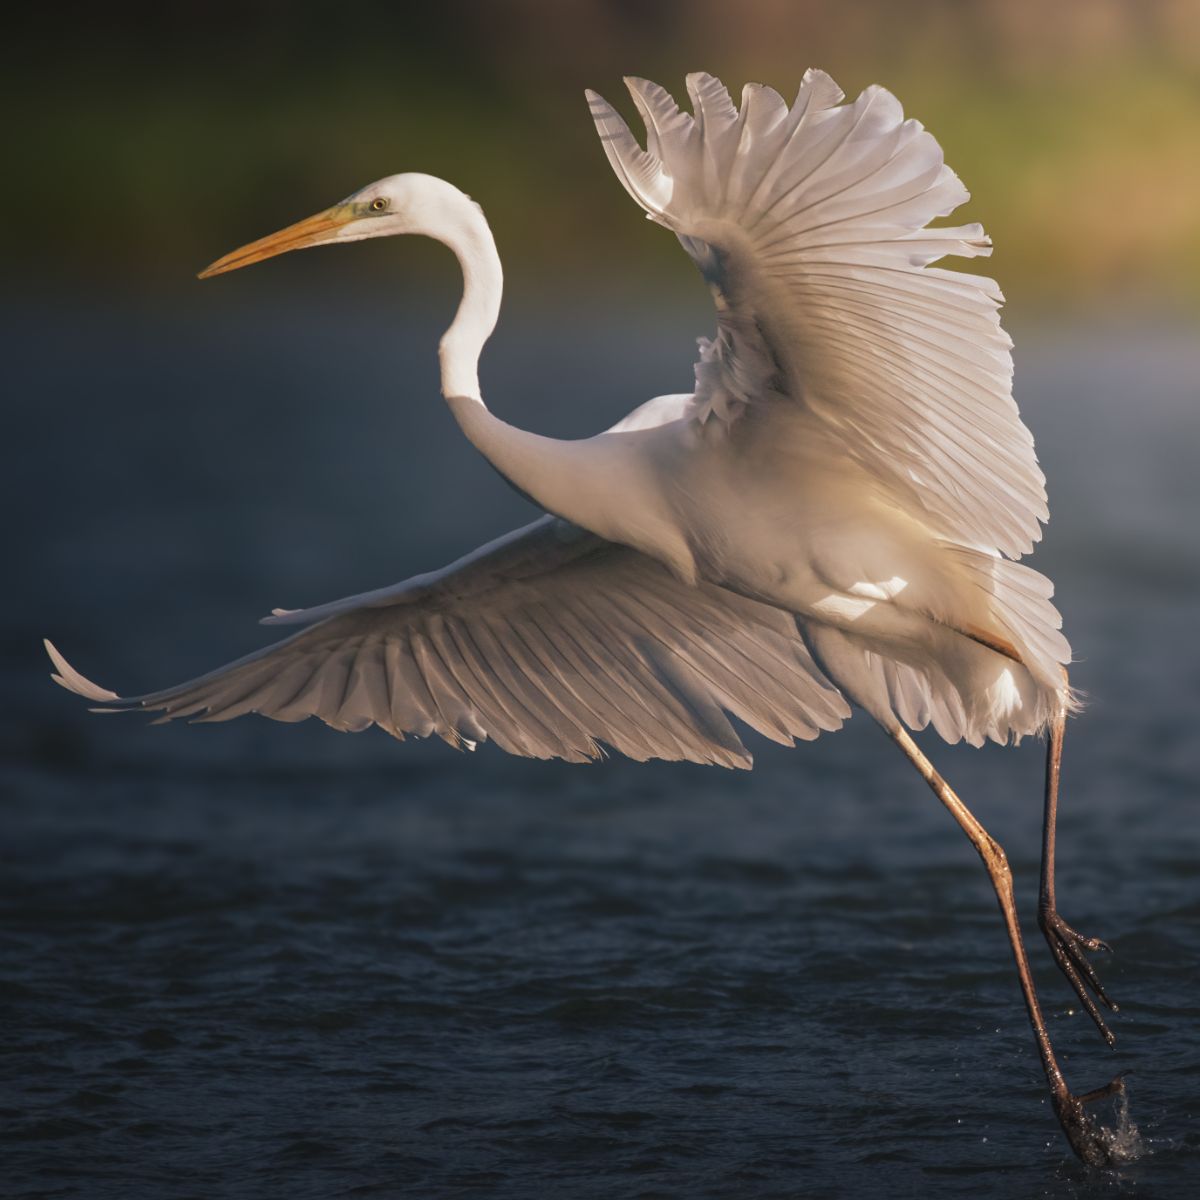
[148,139]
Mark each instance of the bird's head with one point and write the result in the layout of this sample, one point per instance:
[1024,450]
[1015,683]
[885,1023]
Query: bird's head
[410,203]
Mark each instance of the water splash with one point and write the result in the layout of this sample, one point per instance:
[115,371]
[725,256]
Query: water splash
[1123,1140]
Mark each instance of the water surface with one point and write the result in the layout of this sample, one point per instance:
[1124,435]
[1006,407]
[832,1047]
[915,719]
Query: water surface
[274,960]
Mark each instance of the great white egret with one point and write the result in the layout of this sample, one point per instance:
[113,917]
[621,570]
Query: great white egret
[832,516]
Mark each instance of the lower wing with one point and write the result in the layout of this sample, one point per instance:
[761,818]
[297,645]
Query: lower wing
[550,642]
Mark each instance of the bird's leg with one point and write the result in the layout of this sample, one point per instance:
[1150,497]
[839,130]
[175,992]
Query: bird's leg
[1066,944]
[1086,1137]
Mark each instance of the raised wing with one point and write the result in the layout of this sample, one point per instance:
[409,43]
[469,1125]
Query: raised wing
[549,641]
[810,224]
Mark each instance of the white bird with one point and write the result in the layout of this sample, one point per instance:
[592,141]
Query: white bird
[831,517]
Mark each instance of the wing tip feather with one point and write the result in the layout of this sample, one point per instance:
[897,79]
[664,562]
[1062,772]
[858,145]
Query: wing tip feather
[67,677]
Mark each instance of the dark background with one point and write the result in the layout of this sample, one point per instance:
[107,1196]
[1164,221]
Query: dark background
[258,959]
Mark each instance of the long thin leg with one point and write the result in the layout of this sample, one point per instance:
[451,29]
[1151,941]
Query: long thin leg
[1081,1131]
[1066,944]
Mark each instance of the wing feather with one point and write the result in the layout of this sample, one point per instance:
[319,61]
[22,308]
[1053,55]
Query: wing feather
[551,642]
[812,226]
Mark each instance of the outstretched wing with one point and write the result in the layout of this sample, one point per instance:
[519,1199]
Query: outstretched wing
[810,224]
[548,641]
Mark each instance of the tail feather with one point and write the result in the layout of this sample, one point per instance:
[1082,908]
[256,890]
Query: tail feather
[1019,601]
[965,690]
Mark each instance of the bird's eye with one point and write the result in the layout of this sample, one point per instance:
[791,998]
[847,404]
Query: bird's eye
[379,204]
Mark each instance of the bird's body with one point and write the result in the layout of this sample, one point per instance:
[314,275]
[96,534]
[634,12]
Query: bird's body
[861,576]
[832,516]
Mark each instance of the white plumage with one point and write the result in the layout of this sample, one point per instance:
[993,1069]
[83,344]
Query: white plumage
[811,225]
[833,515]
[549,641]
[852,426]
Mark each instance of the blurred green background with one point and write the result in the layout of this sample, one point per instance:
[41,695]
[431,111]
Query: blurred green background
[148,139]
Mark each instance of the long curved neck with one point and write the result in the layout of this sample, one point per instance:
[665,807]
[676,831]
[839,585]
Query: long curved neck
[534,465]
[599,482]
[460,224]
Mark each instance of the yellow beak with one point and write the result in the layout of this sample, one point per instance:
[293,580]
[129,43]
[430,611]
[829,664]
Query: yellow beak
[309,232]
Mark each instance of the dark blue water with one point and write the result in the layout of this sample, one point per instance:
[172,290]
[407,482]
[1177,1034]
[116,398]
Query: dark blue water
[259,960]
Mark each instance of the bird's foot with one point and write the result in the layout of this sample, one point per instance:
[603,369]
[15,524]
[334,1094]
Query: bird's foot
[1092,1143]
[1068,947]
